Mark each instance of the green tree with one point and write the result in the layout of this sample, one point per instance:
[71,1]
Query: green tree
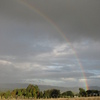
[64,94]
[46,94]
[92,92]
[67,93]
[7,94]
[13,93]
[19,92]
[32,91]
[24,92]
[55,93]
[40,94]
[82,92]
[28,94]
[70,93]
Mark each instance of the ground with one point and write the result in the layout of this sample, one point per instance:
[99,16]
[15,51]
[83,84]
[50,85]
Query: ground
[81,98]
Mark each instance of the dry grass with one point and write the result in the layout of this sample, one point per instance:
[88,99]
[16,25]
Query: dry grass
[81,98]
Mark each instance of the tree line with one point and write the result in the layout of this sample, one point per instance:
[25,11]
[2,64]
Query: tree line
[88,93]
[32,91]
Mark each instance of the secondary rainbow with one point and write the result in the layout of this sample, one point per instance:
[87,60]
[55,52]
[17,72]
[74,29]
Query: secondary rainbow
[31,7]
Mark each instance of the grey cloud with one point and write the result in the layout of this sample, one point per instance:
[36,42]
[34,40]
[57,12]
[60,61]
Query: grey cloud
[77,19]
[25,35]
[10,74]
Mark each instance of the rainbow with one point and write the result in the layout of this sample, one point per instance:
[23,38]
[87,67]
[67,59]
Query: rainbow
[31,7]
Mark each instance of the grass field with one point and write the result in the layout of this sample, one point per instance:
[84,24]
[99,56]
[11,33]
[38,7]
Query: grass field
[81,98]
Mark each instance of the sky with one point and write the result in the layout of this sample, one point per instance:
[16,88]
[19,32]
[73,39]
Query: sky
[50,42]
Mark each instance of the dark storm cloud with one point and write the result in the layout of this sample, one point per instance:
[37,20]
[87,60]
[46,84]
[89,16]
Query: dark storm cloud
[77,19]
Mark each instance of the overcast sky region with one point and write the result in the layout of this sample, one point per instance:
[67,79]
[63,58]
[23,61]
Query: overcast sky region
[32,50]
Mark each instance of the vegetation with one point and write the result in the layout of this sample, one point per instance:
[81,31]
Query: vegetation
[68,94]
[33,92]
[88,93]
[82,92]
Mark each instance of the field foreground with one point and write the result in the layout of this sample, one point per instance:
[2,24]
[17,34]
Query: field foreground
[78,98]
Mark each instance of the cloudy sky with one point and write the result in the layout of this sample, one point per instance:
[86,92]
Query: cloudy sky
[50,42]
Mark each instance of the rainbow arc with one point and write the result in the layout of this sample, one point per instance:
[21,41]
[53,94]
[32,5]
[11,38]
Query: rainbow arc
[31,7]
